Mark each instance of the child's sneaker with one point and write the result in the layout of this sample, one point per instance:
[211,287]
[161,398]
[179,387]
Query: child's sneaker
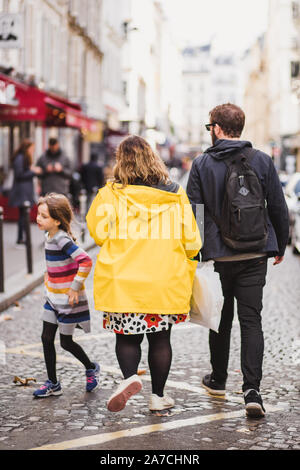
[48,389]
[92,379]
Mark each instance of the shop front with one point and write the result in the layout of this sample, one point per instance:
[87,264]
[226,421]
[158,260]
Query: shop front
[27,111]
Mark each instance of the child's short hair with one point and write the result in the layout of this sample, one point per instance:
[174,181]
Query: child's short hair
[59,209]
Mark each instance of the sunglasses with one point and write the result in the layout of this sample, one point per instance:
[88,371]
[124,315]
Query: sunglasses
[208,126]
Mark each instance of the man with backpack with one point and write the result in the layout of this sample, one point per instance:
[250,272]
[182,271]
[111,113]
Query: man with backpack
[245,223]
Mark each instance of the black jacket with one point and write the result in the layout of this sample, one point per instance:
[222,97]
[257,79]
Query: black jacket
[22,189]
[55,182]
[206,186]
[92,176]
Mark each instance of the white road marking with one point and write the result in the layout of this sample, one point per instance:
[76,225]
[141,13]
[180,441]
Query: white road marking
[116,371]
[24,350]
[98,439]
[80,337]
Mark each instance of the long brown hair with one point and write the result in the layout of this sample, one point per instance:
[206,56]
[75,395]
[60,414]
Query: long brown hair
[137,161]
[24,150]
[59,209]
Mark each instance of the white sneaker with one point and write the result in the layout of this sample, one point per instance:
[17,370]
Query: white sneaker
[157,403]
[125,390]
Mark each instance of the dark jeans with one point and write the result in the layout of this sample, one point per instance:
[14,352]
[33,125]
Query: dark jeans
[243,280]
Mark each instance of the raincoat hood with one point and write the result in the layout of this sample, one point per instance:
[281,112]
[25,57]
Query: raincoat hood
[224,147]
[145,202]
[148,236]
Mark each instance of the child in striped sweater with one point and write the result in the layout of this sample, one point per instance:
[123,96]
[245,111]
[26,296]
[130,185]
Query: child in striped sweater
[66,305]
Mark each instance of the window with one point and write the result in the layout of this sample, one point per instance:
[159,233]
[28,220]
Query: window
[29,12]
[295,10]
[124,88]
[45,59]
[295,69]
[295,42]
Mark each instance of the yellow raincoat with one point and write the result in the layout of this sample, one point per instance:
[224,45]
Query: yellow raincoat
[147,236]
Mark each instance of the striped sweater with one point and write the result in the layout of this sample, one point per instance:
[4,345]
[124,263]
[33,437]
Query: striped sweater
[67,266]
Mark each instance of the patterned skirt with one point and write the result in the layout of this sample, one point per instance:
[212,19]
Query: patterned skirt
[139,323]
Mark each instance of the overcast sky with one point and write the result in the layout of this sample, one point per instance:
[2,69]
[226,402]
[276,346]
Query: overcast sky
[235,24]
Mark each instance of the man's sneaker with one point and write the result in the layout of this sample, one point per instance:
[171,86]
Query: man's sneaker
[92,378]
[254,404]
[48,389]
[213,387]
[125,390]
[157,403]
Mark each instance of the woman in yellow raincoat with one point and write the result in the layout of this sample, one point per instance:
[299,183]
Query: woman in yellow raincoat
[144,272]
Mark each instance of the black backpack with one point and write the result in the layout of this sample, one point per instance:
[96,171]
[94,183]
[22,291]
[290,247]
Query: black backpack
[243,222]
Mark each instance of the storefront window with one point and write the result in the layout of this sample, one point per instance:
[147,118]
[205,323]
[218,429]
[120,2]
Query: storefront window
[4,153]
[16,137]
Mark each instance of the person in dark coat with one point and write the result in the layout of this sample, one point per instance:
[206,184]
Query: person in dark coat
[56,170]
[22,189]
[242,274]
[92,176]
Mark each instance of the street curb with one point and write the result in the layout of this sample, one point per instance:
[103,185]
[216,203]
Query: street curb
[14,292]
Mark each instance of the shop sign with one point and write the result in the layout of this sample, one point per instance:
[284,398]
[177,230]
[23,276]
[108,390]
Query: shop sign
[11,30]
[95,134]
[8,94]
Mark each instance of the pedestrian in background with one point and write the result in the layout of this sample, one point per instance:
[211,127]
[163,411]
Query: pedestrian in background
[92,177]
[142,282]
[23,189]
[241,262]
[56,170]
[66,303]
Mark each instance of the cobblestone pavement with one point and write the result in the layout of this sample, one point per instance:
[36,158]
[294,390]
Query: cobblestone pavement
[78,420]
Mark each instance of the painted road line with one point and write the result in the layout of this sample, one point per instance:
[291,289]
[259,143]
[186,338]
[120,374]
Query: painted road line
[102,438]
[115,371]
[40,345]
[59,357]
[78,338]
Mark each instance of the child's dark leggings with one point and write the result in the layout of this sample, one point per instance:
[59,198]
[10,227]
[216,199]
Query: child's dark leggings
[128,351]
[67,343]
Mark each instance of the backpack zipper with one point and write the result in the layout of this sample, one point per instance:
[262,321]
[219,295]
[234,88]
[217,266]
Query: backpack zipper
[247,207]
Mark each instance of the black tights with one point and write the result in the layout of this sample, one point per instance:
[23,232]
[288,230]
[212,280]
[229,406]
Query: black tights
[67,343]
[128,351]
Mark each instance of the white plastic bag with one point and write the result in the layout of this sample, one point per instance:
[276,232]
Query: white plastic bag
[207,297]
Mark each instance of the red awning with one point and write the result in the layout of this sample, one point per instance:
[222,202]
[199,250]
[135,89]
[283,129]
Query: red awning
[70,116]
[33,104]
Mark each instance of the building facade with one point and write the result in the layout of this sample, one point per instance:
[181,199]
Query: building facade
[88,72]
[272,89]
[61,58]
[151,74]
[209,79]
[283,48]
[256,98]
